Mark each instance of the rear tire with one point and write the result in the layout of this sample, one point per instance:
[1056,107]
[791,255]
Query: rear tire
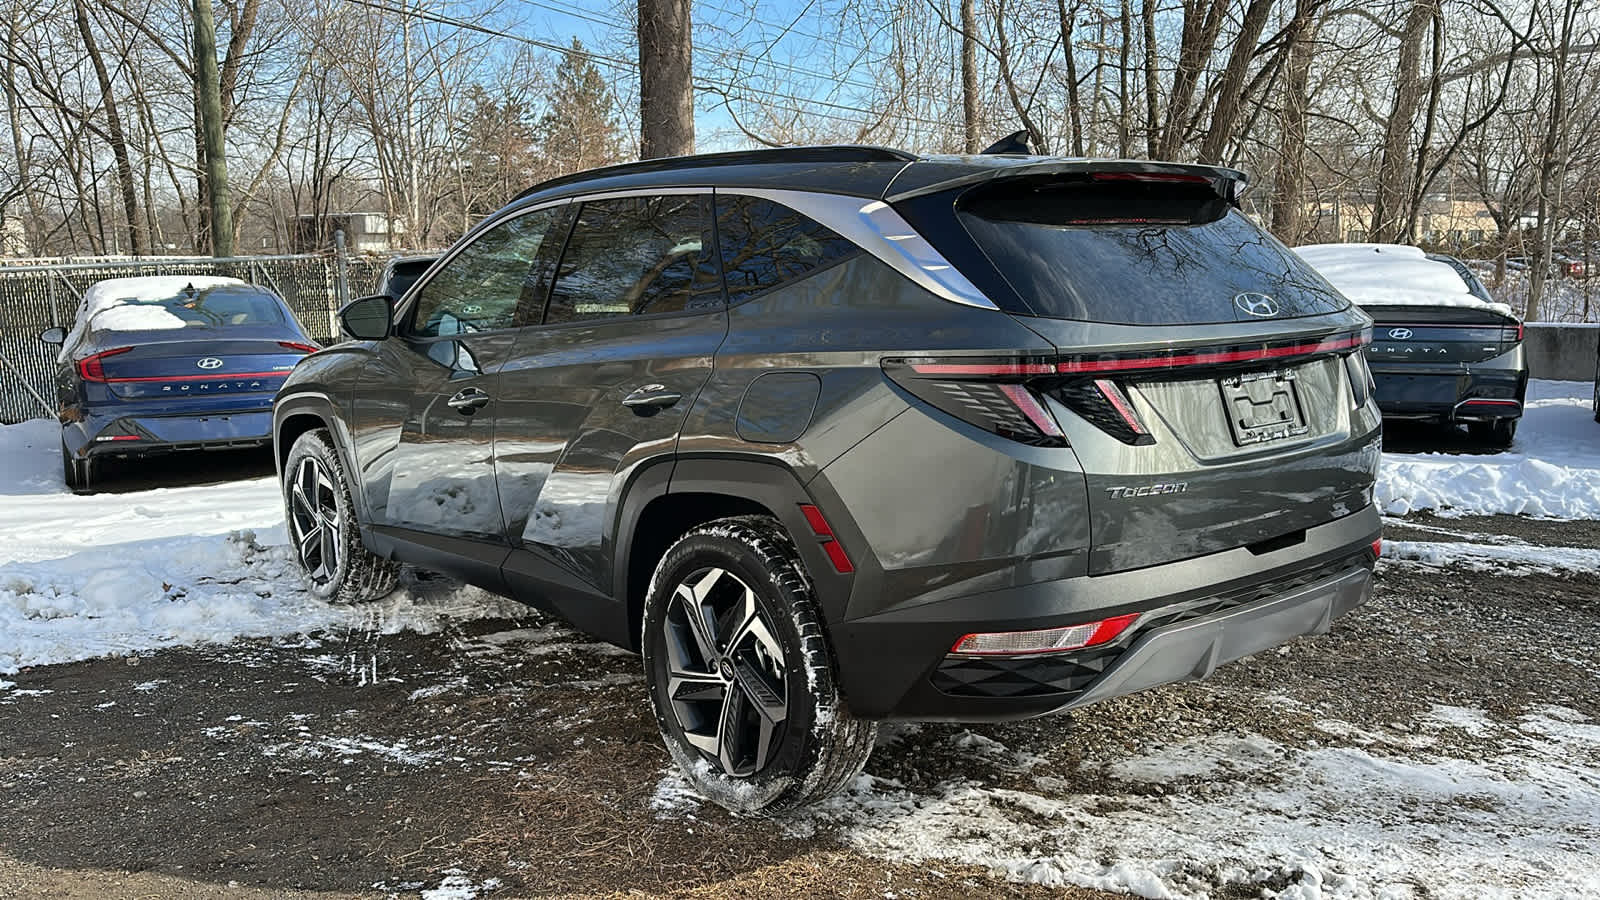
[77,473]
[323,528]
[1498,433]
[740,673]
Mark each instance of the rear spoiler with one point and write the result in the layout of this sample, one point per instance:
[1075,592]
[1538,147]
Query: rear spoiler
[1228,183]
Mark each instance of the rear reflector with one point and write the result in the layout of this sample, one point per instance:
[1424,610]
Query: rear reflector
[295,345]
[1483,401]
[1048,640]
[1377,548]
[118,437]
[90,368]
[830,544]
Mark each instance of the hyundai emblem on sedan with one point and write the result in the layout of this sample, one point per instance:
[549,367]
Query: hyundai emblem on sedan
[209,362]
[1400,334]
[1256,304]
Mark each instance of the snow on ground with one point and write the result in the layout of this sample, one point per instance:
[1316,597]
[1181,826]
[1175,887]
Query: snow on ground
[1552,469]
[111,574]
[1221,813]
[1508,558]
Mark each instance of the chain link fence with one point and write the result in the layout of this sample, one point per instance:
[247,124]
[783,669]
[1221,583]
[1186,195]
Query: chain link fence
[35,295]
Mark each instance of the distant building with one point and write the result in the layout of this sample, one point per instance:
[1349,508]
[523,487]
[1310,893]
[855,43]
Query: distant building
[1442,220]
[364,232]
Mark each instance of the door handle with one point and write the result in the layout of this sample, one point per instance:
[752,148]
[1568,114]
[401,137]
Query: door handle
[650,398]
[468,401]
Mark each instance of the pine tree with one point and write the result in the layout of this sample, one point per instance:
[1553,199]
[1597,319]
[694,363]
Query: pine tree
[579,130]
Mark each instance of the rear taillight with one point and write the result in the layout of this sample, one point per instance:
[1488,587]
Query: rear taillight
[992,394]
[303,348]
[91,368]
[1047,640]
[1512,334]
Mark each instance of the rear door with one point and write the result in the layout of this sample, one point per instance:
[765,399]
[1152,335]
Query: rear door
[635,315]
[1202,379]
[426,405]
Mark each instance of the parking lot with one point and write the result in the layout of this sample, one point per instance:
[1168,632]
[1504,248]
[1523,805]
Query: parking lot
[178,718]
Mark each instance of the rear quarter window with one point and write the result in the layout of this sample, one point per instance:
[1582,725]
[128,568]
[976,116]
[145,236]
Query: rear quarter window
[1162,253]
[765,244]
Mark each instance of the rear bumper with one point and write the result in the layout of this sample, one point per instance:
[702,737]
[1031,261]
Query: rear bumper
[1473,393]
[144,435]
[1194,615]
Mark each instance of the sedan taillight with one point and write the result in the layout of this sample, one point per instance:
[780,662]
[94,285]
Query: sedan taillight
[90,368]
[296,345]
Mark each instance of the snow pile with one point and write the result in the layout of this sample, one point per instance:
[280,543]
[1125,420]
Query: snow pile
[1246,814]
[1392,275]
[144,595]
[1553,468]
[113,574]
[1512,559]
[128,304]
[30,458]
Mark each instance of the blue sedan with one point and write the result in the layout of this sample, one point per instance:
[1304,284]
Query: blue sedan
[166,363]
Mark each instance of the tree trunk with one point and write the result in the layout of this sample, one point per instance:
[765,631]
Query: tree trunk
[1152,83]
[971,142]
[119,144]
[1074,109]
[666,71]
[1288,182]
[210,101]
[1202,22]
[1231,89]
[1394,169]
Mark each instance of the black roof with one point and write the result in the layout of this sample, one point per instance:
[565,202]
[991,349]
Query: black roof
[855,170]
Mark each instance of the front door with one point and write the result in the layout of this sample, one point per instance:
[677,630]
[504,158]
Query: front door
[634,319]
[427,403]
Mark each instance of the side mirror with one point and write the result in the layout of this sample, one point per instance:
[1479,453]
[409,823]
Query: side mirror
[53,335]
[368,318]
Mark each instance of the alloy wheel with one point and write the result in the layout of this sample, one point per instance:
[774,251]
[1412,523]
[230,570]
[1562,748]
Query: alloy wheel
[725,671]
[314,519]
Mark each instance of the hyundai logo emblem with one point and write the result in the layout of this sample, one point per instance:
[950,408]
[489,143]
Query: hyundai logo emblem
[1256,304]
[209,362]
[1400,334]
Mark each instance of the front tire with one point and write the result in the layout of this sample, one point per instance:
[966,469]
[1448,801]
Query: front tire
[323,527]
[740,673]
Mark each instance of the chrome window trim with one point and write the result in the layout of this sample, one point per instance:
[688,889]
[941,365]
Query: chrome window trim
[875,227]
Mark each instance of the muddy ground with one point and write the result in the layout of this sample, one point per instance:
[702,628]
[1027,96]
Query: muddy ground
[517,758]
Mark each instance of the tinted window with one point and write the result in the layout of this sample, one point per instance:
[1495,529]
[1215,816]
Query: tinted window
[401,275]
[209,308]
[482,286]
[765,244]
[636,256]
[1135,253]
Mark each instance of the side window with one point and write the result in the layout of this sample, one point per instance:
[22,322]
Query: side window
[637,256]
[765,244]
[481,288]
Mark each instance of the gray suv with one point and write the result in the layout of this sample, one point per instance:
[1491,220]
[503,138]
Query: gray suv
[840,435]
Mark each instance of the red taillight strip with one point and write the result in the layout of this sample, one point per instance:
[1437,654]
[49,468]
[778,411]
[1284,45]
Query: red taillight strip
[1113,394]
[296,345]
[1491,402]
[1209,358]
[1179,177]
[987,369]
[208,377]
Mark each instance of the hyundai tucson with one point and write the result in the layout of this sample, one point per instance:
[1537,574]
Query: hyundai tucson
[842,435]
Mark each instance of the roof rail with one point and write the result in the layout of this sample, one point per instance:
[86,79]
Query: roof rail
[831,153]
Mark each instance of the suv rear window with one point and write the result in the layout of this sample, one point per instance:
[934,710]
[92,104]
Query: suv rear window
[1135,253]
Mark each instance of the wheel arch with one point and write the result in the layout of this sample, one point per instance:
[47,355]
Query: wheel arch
[295,415]
[665,502]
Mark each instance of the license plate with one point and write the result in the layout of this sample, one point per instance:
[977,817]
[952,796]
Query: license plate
[1263,406]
